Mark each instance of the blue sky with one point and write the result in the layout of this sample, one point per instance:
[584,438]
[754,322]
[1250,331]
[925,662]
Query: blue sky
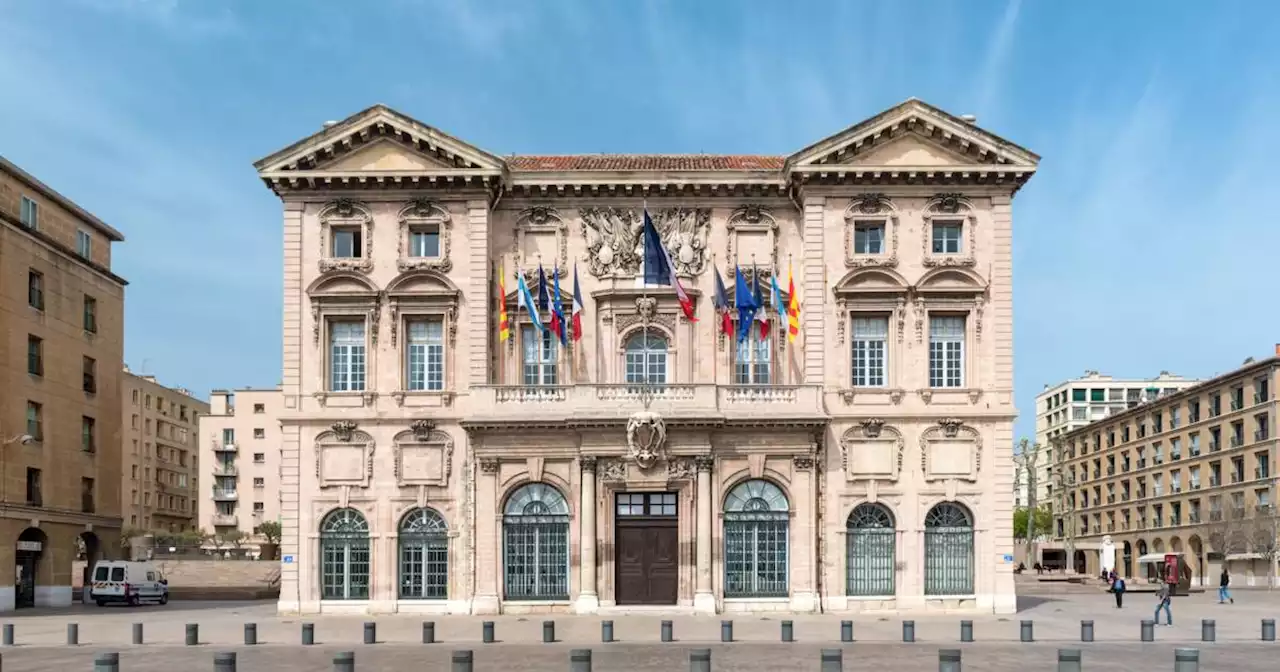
[1143,244]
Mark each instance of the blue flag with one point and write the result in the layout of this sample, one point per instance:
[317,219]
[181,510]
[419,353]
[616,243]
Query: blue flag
[525,300]
[744,300]
[557,312]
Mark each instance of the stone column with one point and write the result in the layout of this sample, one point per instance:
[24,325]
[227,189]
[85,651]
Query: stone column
[588,599]
[704,601]
[803,536]
[487,555]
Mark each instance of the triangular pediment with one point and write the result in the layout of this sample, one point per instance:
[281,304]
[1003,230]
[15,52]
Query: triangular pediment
[914,134]
[380,139]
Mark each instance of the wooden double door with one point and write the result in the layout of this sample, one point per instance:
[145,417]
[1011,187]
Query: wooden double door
[646,548]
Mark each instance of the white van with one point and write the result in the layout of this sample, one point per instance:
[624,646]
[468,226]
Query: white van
[128,582]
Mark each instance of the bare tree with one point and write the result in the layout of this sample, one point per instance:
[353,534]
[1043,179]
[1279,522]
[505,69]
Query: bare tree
[1229,531]
[1264,539]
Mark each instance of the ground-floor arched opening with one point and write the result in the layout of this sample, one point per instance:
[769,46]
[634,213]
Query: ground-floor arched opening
[88,551]
[27,556]
[1080,562]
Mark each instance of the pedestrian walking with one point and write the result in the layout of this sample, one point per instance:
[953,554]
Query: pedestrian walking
[1224,588]
[1118,587]
[1164,599]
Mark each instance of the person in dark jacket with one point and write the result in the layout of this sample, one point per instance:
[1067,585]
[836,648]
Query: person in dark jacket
[1117,587]
[1224,588]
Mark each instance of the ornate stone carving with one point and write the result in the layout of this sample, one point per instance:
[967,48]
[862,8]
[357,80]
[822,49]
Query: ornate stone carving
[425,449]
[615,246]
[646,308]
[869,433]
[802,462]
[684,231]
[950,427]
[588,464]
[752,218]
[868,207]
[955,433]
[926,394]
[489,465]
[896,395]
[422,429]
[974,396]
[613,470]
[375,320]
[538,221]
[978,304]
[343,430]
[704,463]
[900,312]
[423,212]
[948,202]
[951,206]
[679,468]
[624,322]
[870,203]
[315,323]
[871,427]
[346,213]
[646,438]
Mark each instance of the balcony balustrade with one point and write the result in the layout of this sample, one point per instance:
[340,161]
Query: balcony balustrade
[517,403]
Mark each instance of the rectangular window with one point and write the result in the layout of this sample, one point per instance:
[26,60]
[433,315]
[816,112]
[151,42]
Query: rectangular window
[90,317]
[946,351]
[35,290]
[84,243]
[346,356]
[34,496]
[35,421]
[1078,394]
[540,356]
[30,213]
[424,351]
[35,355]
[1097,395]
[424,242]
[870,351]
[90,373]
[946,237]
[87,503]
[347,243]
[751,366]
[868,237]
[88,434]
[259,433]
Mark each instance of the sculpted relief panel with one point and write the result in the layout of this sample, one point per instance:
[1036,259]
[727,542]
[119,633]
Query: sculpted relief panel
[615,244]
[423,455]
[872,450]
[344,456]
[951,450]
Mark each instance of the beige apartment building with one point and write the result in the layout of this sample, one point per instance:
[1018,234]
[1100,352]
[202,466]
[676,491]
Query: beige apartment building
[240,462]
[61,317]
[161,456]
[1077,402]
[1191,472]
[429,465]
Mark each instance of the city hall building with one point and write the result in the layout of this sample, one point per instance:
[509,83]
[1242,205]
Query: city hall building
[849,451]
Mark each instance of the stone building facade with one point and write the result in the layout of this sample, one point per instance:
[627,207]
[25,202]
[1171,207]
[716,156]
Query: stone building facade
[61,355]
[428,465]
[240,459]
[161,457]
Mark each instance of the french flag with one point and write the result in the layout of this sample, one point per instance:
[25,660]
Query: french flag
[658,269]
[577,306]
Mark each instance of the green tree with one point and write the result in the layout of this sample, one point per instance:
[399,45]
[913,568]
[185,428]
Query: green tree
[271,531]
[1043,519]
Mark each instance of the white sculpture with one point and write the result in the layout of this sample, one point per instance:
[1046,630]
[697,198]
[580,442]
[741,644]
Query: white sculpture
[646,438]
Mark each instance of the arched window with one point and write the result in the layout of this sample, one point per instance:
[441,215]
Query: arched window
[424,556]
[755,540]
[948,550]
[870,552]
[646,358]
[535,526]
[344,556]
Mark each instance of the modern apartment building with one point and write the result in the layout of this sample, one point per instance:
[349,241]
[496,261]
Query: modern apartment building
[161,455]
[1191,472]
[431,464]
[240,459]
[61,352]
[1075,403]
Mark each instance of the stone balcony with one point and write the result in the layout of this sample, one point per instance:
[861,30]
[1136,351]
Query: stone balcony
[225,520]
[589,403]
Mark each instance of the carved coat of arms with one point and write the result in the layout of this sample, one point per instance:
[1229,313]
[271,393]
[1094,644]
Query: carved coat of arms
[646,438]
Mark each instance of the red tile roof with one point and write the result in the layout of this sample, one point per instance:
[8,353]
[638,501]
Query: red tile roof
[646,162]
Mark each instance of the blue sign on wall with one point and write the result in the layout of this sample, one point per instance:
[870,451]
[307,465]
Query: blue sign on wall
[288,559]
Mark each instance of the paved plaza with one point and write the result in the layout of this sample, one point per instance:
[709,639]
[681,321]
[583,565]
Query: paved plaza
[40,636]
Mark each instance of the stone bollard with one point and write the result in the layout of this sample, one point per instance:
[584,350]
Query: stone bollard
[966,631]
[548,632]
[308,634]
[1208,630]
[1148,630]
[193,634]
[137,633]
[949,660]
[428,632]
[580,660]
[486,632]
[73,634]
[666,633]
[1186,660]
[250,634]
[370,632]
[1026,631]
[1268,629]
[788,631]
[700,660]
[846,631]
[107,662]
[908,631]
[224,662]
[8,634]
[344,661]
[461,661]
[726,631]
[1068,660]
[1086,631]
[832,660]
[606,631]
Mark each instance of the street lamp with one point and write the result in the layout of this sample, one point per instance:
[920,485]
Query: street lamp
[23,439]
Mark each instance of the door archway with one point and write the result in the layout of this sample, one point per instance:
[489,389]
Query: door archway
[28,552]
[1128,560]
[88,550]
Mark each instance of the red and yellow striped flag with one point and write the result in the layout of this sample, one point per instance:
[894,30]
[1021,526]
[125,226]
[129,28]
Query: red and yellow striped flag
[504,325]
[793,306]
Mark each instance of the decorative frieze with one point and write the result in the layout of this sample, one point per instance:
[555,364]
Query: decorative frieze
[615,245]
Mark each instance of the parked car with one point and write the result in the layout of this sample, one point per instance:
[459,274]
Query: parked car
[129,582]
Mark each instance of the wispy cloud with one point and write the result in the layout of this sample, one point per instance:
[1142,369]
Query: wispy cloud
[177,19]
[995,66]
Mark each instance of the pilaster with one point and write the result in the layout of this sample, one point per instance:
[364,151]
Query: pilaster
[478,293]
[813,306]
[704,601]
[290,444]
[487,545]
[588,599]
